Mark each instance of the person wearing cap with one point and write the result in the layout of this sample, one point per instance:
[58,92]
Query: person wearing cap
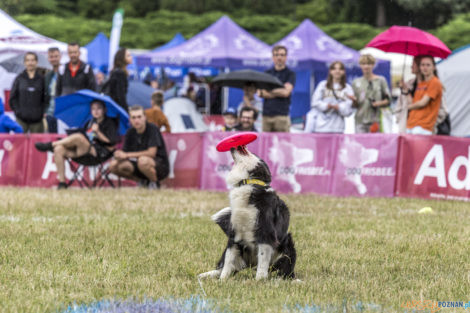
[230,119]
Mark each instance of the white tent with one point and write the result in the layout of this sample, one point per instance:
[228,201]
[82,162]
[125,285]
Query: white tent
[6,80]
[454,73]
[16,39]
[183,116]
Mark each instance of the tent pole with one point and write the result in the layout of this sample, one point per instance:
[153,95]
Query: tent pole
[226,93]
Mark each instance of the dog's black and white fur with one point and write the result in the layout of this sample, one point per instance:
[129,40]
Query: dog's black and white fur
[256,223]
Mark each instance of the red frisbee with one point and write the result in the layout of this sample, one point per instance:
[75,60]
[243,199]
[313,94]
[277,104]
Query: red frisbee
[236,140]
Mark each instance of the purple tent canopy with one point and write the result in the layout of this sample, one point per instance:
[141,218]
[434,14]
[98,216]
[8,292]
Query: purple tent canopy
[223,44]
[308,47]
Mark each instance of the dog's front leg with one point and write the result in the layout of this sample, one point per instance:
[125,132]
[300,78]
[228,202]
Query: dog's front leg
[265,253]
[231,254]
[210,274]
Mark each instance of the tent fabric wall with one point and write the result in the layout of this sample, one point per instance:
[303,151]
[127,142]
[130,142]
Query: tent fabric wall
[454,73]
[98,52]
[223,44]
[175,41]
[17,39]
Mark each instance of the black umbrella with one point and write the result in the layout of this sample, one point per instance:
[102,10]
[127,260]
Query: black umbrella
[238,79]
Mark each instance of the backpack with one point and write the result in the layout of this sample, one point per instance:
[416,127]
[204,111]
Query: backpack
[105,87]
[444,128]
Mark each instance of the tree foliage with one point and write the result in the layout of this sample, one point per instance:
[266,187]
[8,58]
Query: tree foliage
[427,14]
[159,26]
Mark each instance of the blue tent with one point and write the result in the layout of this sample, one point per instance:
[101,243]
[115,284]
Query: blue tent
[98,52]
[177,40]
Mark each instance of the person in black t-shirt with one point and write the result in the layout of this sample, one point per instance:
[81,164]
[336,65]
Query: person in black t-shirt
[96,141]
[143,156]
[276,105]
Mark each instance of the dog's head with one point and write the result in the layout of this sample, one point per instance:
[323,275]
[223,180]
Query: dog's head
[247,166]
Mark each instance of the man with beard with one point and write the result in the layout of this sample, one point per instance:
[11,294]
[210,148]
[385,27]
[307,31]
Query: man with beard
[75,75]
[248,116]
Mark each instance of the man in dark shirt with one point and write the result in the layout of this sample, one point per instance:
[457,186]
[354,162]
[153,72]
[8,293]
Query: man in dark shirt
[248,116]
[277,101]
[143,156]
[53,56]
[75,75]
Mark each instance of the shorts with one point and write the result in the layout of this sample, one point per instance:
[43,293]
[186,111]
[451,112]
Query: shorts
[278,123]
[161,168]
[102,154]
[418,130]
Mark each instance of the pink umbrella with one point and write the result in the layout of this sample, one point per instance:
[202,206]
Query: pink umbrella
[410,41]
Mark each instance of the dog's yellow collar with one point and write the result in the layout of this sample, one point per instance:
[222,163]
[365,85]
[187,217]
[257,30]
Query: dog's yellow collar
[252,182]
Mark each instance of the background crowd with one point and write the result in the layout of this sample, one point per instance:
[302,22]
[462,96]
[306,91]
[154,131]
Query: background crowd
[419,108]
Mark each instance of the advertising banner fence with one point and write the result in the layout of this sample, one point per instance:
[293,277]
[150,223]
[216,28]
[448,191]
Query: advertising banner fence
[375,165]
[436,167]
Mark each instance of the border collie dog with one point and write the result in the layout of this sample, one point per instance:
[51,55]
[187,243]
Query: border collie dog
[256,223]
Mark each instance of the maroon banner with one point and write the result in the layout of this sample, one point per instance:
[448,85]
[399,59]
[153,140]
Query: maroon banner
[365,165]
[13,159]
[42,170]
[342,165]
[184,155]
[434,167]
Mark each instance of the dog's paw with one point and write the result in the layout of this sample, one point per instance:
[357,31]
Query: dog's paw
[260,275]
[210,274]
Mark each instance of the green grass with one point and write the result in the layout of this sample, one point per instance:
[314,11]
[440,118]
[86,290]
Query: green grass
[80,246]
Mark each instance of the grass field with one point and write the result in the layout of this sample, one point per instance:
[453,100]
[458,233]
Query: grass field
[354,255]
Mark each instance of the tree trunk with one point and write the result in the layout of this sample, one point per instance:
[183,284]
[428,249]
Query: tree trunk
[381,19]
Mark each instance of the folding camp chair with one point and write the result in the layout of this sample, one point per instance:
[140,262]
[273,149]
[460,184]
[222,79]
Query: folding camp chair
[98,169]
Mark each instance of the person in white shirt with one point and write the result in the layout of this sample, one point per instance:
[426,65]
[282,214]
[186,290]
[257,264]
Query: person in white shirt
[331,103]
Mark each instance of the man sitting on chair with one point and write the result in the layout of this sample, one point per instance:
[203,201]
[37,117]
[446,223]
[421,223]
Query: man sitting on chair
[95,140]
[143,156]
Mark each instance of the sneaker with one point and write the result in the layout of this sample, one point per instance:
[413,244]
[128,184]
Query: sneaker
[44,146]
[153,185]
[62,185]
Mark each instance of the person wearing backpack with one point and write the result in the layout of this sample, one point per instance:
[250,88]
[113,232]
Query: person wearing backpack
[117,85]
[75,75]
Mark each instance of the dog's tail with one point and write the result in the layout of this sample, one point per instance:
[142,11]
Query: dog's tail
[286,263]
[222,218]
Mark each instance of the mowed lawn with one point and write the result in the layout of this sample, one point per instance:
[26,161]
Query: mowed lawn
[81,246]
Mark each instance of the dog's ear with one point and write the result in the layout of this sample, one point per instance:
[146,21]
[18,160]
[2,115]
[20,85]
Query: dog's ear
[261,172]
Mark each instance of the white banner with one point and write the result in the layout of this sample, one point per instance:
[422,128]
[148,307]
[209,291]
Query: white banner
[115,36]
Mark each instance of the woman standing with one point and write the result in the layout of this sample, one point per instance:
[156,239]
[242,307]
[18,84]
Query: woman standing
[427,99]
[118,82]
[407,88]
[28,96]
[370,94]
[330,102]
